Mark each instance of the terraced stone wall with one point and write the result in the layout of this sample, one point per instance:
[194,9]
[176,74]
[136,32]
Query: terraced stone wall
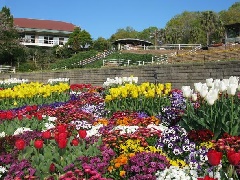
[177,74]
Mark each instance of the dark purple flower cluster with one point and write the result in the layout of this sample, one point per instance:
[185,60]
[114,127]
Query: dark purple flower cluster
[94,165]
[174,141]
[20,169]
[171,115]
[144,165]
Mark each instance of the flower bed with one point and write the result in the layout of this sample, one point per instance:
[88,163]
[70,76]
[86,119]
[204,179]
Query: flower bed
[123,130]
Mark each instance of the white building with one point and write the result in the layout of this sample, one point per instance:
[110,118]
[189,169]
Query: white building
[47,33]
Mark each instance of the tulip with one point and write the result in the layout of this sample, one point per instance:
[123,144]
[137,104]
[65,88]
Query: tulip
[231,89]
[62,128]
[209,82]
[75,142]
[198,86]
[233,157]
[204,90]
[20,144]
[187,92]
[52,168]
[46,134]
[38,144]
[82,133]
[194,96]
[62,143]
[214,157]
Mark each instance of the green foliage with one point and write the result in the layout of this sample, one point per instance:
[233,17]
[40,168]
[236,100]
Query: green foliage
[101,44]
[222,117]
[10,49]
[9,127]
[41,159]
[74,61]
[79,40]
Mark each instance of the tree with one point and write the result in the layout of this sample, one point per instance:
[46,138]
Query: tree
[231,16]
[10,49]
[79,40]
[211,23]
[101,44]
[128,32]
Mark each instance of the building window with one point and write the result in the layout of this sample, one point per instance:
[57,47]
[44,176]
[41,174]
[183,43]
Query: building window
[32,39]
[61,41]
[48,40]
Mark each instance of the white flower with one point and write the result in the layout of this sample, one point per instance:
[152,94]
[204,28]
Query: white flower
[222,86]
[204,90]
[2,170]
[49,126]
[21,130]
[94,130]
[231,89]
[233,80]
[198,86]
[194,96]
[2,134]
[212,96]
[209,82]
[187,91]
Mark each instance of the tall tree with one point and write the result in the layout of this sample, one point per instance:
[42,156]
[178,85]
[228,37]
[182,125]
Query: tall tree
[101,44]
[211,23]
[79,40]
[128,32]
[10,49]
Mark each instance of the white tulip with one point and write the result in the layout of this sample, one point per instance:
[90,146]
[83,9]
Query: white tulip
[233,80]
[231,89]
[203,92]
[226,81]
[222,86]
[209,82]
[210,99]
[198,86]
[216,83]
[194,96]
[187,92]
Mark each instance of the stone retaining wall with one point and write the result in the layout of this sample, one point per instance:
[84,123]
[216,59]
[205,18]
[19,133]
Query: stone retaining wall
[178,74]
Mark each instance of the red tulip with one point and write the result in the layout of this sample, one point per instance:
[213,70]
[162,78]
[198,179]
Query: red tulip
[20,144]
[62,143]
[46,134]
[52,168]
[62,128]
[214,157]
[38,143]
[75,142]
[62,135]
[206,178]
[82,133]
[233,157]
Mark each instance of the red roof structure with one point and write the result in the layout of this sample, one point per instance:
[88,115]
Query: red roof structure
[43,24]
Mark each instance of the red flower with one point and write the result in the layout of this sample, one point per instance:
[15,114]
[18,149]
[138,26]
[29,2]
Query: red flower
[10,115]
[75,142]
[233,157]
[62,143]
[20,116]
[62,128]
[214,157]
[39,116]
[62,135]
[207,178]
[46,134]
[20,144]
[52,168]
[38,144]
[82,133]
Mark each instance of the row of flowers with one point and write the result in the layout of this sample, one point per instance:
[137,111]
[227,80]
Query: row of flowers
[83,138]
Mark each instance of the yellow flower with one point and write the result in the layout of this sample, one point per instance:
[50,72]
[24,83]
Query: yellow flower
[122,173]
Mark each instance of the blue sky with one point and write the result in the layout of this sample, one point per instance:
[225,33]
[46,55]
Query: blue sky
[102,18]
